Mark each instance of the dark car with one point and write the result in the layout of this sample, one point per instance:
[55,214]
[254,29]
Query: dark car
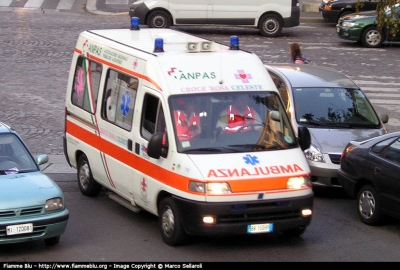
[332,10]
[363,28]
[370,171]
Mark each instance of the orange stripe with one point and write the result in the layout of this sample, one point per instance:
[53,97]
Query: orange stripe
[122,69]
[165,176]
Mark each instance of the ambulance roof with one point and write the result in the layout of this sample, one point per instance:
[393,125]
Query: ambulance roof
[144,39]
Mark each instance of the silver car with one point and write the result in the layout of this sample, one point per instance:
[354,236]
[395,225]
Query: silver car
[334,109]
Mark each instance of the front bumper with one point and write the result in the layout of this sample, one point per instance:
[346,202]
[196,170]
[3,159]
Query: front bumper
[44,226]
[234,218]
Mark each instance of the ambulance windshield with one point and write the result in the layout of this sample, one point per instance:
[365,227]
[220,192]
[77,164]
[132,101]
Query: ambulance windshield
[230,122]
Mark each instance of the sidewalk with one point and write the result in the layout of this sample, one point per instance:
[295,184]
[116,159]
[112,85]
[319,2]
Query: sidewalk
[57,164]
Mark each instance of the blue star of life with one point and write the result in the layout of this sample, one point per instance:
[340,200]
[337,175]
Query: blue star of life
[252,160]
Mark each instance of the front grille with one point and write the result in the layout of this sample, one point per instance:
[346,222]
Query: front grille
[21,212]
[259,217]
[335,158]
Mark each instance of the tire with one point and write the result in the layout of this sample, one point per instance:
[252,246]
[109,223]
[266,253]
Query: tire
[270,25]
[372,37]
[88,186]
[52,241]
[170,223]
[159,19]
[295,232]
[369,205]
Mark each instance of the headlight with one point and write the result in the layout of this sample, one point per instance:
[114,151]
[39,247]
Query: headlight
[314,154]
[298,182]
[348,24]
[54,204]
[210,188]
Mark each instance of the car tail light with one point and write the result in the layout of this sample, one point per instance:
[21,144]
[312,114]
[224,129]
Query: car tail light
[348,148]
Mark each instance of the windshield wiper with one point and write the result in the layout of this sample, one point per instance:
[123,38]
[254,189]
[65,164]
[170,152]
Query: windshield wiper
[9,171]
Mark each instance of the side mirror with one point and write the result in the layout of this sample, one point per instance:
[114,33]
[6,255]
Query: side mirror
[154,146]
[384,118]
[304,138]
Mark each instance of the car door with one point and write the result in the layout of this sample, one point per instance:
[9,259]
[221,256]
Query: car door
[236,12]
[189,11]
[386,176]
[367,5]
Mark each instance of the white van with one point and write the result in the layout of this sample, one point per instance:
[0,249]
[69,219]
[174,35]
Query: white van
[268,16]
[128,129]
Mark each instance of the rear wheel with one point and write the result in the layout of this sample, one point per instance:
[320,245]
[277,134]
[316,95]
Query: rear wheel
[170,223]
[372,37]
[159,19]
[369,205]
[88,186]
[270,25]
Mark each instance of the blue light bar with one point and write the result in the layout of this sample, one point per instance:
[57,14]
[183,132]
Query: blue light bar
[134,23]
[159,45]
[234,43]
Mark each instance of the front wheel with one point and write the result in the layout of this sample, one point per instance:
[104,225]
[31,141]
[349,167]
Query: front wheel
[159,19]
[270,25]
[369,205]
[372,37]
[170,223]
[88,186]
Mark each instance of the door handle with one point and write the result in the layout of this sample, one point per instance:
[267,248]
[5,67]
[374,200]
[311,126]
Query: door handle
[377,170]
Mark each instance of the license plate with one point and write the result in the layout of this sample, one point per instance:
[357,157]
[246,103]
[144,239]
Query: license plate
[337,29]
[19,229]
[260,228]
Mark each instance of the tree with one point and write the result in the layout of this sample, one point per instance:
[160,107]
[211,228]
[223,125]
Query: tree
[390,20]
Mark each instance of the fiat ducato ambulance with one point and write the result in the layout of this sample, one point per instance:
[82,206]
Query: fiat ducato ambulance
[150,116]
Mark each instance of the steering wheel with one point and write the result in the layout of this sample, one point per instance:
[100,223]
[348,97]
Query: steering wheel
[250,126]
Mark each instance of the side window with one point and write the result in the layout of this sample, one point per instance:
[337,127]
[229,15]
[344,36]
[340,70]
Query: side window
[86,84]
[153,119]
[283,91]
[119,99]
[392,153]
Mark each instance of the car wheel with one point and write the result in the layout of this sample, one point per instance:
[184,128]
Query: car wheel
[270,25]
[52,241]
[159,19]
[369,206]
[88,186]
[295,232]
[170,223]
[372,37]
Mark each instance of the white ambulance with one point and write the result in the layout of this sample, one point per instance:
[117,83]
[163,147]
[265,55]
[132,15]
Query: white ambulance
[189,130]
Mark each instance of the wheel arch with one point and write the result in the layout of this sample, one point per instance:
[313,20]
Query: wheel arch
[158,9]
[271,13]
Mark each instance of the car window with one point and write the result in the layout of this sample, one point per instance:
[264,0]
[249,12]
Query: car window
[14,155]
[377,148]
[334,106]
[392,152]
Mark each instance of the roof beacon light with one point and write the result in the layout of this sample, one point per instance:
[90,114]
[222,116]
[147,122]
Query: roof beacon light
[134,23]
[159,45]
[234,43]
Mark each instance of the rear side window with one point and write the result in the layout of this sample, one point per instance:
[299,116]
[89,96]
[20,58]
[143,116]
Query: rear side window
[119,99]
[86,84]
